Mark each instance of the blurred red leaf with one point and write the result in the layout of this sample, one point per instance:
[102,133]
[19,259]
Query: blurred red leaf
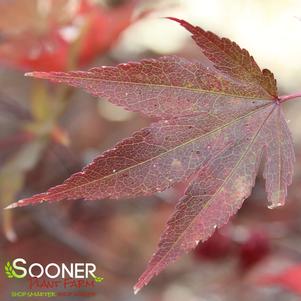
[105,26]
[34,16]
[215,122]
[95,28]
[289,279]
[254,249]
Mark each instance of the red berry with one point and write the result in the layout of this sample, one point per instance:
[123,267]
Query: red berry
[254,249]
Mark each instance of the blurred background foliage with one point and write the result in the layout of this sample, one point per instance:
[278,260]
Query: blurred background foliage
[47,132]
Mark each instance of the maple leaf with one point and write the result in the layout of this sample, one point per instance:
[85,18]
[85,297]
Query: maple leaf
[214,124]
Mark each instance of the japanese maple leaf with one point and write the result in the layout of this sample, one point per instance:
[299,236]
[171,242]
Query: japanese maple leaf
[214,123]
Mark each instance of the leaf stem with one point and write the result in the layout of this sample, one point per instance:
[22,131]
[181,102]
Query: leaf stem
[285,98]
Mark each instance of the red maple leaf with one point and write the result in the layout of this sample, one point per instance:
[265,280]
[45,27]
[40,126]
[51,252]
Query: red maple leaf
[214,124]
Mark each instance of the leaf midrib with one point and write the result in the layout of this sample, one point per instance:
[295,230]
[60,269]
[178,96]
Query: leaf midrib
[161,154]
[68,77]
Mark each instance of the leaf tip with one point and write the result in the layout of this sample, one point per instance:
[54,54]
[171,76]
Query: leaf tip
[36,74]
[183,23]
[136,290]
[19,203]
[29,74]
[11,206]
[172,19]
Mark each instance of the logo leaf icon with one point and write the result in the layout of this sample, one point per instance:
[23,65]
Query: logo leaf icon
[98,279]
[9,271]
